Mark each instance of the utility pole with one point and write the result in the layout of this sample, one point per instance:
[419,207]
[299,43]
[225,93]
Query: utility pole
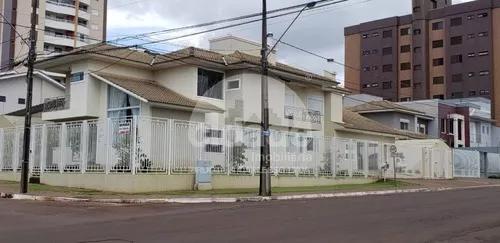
[265,160]
[29,98]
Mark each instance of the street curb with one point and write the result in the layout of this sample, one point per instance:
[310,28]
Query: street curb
[235,199]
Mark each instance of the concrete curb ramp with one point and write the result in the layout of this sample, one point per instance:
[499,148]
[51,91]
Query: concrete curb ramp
[235,199]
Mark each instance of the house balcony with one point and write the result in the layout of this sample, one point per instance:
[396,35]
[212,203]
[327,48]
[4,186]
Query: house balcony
[303,115]
[55,104]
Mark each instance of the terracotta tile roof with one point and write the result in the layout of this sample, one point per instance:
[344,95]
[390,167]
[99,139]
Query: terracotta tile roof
[156,93]
[353,120]
[148,58]
[280,67]
[383,105]
[22,112]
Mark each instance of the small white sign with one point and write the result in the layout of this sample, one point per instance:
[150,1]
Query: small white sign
[124,129]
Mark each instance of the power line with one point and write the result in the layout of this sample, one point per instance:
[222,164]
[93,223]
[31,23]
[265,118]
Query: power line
[192,34]
[44,30]
[14,28]
[248,16]
[114,63]
[344,81]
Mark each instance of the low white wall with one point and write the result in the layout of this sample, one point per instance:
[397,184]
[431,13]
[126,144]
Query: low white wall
[157,183]
[10,176]
[121,183]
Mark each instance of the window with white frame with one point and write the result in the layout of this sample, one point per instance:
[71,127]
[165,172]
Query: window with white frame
[422,128]
[233,85]
[315,104]
[290,97]
[210,84]
[404,124]
[121,104]
[75,77]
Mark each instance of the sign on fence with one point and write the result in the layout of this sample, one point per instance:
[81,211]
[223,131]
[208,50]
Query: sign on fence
[124,128]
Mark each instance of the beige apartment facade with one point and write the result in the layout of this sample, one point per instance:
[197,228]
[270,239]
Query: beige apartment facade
[439,51]
[63,25]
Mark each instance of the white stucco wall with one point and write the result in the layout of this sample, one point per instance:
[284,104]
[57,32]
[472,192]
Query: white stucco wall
[184,80]
[15,88]
[250,93]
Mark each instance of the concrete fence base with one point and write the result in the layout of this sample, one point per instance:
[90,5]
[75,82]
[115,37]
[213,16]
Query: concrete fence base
[128,183]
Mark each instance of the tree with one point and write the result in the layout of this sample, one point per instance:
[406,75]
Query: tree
[239,158]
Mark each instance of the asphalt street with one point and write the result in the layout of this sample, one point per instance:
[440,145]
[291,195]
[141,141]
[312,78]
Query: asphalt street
[453,216]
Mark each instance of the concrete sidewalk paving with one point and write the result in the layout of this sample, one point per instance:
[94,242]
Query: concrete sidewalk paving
[411,186]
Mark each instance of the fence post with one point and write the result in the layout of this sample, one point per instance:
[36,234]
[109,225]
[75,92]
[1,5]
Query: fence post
[32,147]
[134,145]
[15,157]
[43,152]
[316,151]
[228,148]
[351,157]
[170,147]
[366,160]
[62,146]
[165,151]
[107,130]
[84,145]
[333,156]
[1,148]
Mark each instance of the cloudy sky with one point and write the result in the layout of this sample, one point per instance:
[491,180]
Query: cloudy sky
[320,31]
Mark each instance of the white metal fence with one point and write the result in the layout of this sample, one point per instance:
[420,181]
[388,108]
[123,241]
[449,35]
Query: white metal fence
[493,166]
[424,160]
[466,163]
[150,145]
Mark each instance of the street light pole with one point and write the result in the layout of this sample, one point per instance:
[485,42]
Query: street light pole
[29,98]
[265,160]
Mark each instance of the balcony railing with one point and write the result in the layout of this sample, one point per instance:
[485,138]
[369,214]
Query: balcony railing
[69,21]
[300,114]
[69,4]
[86,40]
[54,104]
[59,19]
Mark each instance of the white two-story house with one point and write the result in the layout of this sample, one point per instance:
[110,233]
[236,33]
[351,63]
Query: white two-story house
[193,86]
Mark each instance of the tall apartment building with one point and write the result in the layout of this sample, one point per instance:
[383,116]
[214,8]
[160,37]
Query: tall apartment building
[62,26]
[440,51]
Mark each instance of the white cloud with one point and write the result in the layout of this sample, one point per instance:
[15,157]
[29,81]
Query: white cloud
[320,31]
[119,19]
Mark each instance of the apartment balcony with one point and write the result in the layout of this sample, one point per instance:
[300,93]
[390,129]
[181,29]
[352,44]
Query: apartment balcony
[63,7]
[60,7]
[64,40]
[83,29]
[61,24]
[84,14]
[58,39]
[303,115]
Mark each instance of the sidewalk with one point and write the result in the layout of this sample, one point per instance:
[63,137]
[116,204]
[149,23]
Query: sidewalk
[50,193]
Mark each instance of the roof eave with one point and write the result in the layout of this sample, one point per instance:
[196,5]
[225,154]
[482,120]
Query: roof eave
[186,108]
[119,87]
